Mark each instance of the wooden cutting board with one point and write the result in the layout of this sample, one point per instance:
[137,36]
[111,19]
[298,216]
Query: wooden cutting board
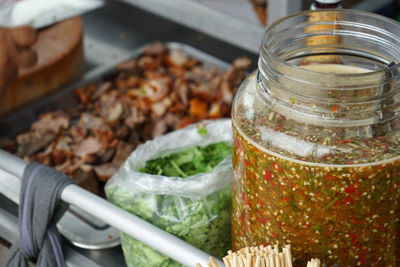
[60,60]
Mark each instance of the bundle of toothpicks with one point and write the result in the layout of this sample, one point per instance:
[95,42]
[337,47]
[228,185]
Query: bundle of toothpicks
[260,257]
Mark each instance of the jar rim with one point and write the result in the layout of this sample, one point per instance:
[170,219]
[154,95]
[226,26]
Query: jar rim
[267,33]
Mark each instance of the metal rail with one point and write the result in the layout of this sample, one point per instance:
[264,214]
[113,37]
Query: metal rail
[139,229]
[9,231]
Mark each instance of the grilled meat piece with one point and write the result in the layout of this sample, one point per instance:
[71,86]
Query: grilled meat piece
[160,91]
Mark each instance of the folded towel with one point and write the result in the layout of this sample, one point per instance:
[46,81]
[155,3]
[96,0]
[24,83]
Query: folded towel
[39,210]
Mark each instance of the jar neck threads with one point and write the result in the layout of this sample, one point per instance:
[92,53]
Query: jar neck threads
[341,37]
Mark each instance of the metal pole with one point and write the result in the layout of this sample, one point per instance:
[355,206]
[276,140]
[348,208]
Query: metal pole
[139,229]
[12,164]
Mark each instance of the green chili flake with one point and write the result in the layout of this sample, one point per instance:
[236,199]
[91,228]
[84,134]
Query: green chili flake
[292,202]
[312,182]
[324,250]
[316,227]
[292,100]
[330,204]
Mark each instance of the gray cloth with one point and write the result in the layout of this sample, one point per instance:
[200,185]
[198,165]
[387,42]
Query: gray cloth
[39,210]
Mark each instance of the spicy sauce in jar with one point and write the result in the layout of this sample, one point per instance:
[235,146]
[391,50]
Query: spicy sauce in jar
[344,214]
[316,148]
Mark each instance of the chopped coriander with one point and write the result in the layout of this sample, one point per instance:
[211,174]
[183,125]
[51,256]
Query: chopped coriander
[204,223]
[189,162]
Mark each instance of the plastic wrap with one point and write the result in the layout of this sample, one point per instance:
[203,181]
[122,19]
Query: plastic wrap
[196,209]
[6,9]
[39,13]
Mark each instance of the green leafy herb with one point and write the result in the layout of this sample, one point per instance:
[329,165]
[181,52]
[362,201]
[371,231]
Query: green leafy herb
[189,162]
[204,223]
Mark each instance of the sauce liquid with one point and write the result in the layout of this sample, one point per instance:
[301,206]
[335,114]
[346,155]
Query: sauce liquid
[344,214]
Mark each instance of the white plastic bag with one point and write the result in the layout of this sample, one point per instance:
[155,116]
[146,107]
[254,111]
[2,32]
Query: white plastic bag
[6,9]
[196,209]
[196,186]
[40,12]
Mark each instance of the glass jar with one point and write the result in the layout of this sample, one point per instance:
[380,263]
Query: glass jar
[316,152]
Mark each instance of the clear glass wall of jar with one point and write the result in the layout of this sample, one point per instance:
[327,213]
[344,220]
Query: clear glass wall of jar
[317,141]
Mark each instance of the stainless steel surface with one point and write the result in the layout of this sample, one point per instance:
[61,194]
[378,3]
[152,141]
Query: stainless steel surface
[76,225]
[82,233]
[281,8]
[9,186]
[8,226]
[371,5]
[114,31]
[111,34]
[9,232]
[204,18]
[15,165]
[124,221]
[22,119]
[86,231]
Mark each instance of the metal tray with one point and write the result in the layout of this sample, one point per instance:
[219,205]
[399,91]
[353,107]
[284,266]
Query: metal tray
[82,229]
